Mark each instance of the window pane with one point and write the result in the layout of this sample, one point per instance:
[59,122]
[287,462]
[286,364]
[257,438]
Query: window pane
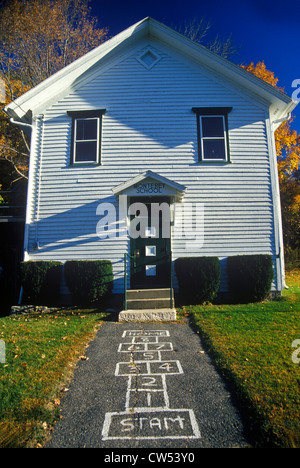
[86,151]
[214,149]
[86,129]
[212,127]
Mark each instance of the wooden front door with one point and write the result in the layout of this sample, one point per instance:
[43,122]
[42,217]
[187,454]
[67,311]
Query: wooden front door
[151,249]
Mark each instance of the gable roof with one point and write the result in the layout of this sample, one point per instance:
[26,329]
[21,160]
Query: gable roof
[41,96]
[178,189]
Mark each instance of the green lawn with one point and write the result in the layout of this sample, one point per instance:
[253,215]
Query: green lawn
[41,352]
[252,345]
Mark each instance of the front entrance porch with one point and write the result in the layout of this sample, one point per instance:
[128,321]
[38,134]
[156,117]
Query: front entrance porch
[149,199]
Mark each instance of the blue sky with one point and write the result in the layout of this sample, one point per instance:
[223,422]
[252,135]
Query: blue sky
[262,29]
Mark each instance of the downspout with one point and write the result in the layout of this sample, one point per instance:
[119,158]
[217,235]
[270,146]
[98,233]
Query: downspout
[283,119]
[21,124]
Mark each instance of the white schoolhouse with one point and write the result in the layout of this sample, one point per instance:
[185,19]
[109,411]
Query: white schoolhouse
[155,135]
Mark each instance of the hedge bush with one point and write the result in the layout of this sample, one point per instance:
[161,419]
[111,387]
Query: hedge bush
[41,282]
[89,281]
[198,278]
[250,277]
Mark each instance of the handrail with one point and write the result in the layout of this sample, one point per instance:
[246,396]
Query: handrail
[171,281]
[125,277]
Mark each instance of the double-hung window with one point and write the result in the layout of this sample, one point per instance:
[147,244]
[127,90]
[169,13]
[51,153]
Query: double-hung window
[212,127]
[86,136]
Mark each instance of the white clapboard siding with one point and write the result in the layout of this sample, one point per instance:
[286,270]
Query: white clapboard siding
[149,124]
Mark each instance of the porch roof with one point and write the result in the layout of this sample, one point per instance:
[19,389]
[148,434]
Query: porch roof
[172,187]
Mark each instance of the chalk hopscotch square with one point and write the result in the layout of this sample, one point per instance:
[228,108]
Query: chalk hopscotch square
[147,382]
[128,368]
[147,399]
[165,367]
[132,347]
[162,346]
[142,356]
[145,339]
[133,333]
[151,423]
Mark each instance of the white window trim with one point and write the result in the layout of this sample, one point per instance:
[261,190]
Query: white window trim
[78,141]
[224,138]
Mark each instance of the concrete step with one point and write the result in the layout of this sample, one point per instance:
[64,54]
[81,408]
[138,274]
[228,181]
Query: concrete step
[148,315]
[163,293]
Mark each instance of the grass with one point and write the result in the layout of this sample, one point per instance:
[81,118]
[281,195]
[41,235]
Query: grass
[252,345]
[41,353]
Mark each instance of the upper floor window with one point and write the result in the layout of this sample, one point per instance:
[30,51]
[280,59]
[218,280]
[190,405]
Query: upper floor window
[212,126]
[86,136]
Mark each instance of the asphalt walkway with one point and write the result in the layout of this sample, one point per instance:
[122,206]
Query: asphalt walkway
[148,385]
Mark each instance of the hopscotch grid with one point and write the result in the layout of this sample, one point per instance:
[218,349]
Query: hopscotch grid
[149,369]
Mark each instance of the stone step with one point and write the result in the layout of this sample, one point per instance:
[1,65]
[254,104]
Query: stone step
[148,315]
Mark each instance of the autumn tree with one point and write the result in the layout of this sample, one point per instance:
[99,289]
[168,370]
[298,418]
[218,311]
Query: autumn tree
[38,38]
[287,143]
[14,145]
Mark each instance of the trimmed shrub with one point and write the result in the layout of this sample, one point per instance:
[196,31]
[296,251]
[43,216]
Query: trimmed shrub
[250,277]
[198,278]
[89,281]
[41,282]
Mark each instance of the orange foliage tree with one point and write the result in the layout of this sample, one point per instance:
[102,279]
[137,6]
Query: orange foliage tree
[287,143]
[38,38]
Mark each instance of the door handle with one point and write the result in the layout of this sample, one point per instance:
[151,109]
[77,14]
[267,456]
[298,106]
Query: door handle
[136,255]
